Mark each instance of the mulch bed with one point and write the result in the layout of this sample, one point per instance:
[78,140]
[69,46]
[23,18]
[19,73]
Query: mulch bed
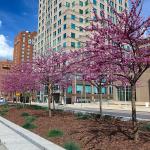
[90,134]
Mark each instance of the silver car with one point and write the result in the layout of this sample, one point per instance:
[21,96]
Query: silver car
[2,101]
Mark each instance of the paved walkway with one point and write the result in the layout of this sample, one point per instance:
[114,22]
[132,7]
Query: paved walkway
[15,137]
[114,110]
[105,105]
[3,147]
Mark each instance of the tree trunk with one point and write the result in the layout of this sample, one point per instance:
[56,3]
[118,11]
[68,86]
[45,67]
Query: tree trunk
[100,99]
[53,100]
[134,119]
[49,100]
[53,103]
[30,99]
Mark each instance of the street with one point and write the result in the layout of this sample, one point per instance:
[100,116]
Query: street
[117,113]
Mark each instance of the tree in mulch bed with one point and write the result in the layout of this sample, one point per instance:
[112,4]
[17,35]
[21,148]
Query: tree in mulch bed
[71,146]
[29,122]
[55,133]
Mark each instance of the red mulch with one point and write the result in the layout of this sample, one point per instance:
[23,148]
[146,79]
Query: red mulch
[89,134]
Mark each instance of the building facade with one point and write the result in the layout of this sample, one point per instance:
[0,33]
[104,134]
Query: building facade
[5,66]
[60,25]
[23,47]
[61,22]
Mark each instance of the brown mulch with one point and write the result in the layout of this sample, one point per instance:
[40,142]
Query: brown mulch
[90,134]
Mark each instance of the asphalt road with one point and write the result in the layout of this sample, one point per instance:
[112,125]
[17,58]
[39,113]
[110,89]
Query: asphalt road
[117,113]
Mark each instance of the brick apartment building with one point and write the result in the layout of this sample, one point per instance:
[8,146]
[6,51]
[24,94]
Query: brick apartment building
[23,47]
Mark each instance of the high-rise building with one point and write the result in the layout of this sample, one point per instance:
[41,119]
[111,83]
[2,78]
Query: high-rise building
[61,22]
[60,25]
[23,47]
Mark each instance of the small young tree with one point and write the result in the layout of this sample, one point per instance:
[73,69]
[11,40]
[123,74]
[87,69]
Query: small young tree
[50,67]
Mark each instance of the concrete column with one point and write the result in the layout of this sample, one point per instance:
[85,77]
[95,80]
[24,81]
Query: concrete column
[115,94]
[92,92]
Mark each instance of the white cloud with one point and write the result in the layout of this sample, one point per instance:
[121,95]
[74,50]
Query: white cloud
[6,51]
[0,23]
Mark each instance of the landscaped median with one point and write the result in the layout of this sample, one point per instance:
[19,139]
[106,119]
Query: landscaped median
[78,131]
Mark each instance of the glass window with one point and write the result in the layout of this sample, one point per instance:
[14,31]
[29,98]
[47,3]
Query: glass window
[46,90]
[65,17]
[120,1]
[65,35]
[79,88]
[60,13]
[69,90]
[73,26]
[81,3]
[86,3]
[120,8]
[65,26]
[81,20]
[73,17]
[67,4]
[79,45]
[72,35]
[80,11]
[73,4]
[103,90]
[88,89]
[112,3]
[64,44]
[101,6]
[86,11]
[94,2]
[80,29]
[73,44]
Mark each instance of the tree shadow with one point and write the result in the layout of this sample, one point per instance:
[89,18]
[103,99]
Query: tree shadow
[108,129]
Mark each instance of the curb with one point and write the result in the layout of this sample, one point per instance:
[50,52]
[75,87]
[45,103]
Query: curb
[29,136]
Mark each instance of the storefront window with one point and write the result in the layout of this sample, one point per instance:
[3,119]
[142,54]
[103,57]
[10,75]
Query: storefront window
[79,88]
[88,89]
[69,90]
[124,93]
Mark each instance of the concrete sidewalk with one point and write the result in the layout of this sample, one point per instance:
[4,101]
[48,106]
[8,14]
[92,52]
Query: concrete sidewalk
[14,137]
[3,147]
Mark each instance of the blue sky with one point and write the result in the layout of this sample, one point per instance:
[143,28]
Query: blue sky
[16,16]
[21,15]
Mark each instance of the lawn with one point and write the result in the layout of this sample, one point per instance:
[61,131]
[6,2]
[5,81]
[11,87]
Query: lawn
[78,131]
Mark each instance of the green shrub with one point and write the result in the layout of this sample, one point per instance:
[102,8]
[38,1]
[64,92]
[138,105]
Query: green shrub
[108,117]
[19,106]
[29,126]
[145,127]
[36,107]
[4,110]
[30,119]
[25,114]
[71,146]
[83,116]
[55,133]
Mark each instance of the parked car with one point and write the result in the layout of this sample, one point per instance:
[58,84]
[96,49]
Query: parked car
[2,101]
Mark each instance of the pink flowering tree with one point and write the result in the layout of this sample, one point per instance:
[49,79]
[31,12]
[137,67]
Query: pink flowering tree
[21,79]
[120,45]
[51,69]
